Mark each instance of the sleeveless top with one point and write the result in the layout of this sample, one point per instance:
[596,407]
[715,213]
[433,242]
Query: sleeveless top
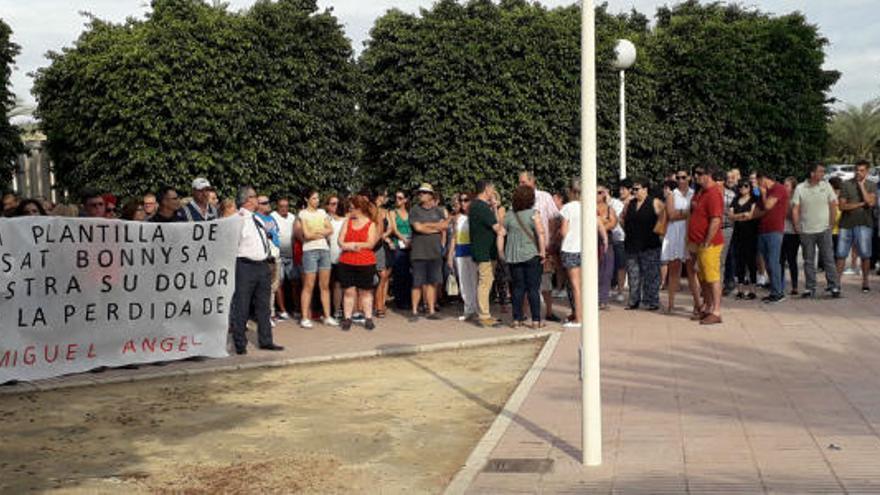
[404,228]
[639,227]
[748,228]
[363,256]
[462,237]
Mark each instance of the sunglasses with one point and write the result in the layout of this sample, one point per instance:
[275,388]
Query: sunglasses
[637,188]
[464,200]
[264,203]
[681,177]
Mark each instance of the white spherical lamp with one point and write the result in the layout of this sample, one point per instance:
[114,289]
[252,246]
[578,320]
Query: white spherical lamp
[626,54]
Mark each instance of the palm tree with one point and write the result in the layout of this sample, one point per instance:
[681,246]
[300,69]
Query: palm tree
[855,132]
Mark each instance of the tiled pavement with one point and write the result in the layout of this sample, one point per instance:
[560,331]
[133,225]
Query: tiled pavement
[778,399]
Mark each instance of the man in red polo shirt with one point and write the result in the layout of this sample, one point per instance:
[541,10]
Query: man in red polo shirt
[706,239]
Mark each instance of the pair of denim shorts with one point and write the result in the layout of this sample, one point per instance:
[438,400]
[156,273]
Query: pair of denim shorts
[316,260]
[860,236]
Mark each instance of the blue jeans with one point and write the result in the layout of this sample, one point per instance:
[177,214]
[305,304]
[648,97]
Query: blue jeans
[769,247]
[858,236]
[526,282]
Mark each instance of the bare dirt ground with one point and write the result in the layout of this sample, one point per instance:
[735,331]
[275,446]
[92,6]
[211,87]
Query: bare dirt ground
[389,425]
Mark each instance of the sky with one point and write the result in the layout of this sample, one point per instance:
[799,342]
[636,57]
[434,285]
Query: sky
[850,25]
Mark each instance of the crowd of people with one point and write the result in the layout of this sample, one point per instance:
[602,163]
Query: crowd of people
[338,260]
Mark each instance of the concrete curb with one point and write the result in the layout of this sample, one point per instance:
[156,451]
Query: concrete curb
[402,350]
[475,462]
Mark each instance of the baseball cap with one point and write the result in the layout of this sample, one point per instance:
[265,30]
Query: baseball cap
[201,183]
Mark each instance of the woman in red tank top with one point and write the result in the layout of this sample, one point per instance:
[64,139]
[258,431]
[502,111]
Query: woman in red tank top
[357,263]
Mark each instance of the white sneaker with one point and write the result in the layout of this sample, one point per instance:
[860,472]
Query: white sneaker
[306,323]
[571,324]
[358,317]
[762,279]
[272,322]
[283,315]
[849,271]
[330,322]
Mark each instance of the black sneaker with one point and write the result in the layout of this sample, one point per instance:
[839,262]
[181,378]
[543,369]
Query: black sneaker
[632,307]
[775,299]
[866,289]
[434,316]
[835,293]
[345,325]
[808,294]
[740,296]
[369,325]
[553,318]
[751,296]
[766,299]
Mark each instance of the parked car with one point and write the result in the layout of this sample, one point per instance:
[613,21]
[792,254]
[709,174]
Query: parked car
[874,174]
[845,172]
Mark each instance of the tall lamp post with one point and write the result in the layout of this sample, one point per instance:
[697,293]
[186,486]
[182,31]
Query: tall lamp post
[591,396]
[626,57]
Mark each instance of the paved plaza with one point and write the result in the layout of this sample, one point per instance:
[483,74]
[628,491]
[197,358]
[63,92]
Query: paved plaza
[778,399]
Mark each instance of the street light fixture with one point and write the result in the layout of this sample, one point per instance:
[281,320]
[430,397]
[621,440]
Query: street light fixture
[625,58]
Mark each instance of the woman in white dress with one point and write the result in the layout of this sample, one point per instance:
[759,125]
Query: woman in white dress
[674,252]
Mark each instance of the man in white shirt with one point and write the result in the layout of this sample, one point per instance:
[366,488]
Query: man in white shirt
[285,220]
[253,284]
[546,207]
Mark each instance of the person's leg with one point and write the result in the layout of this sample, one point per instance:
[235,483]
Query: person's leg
[574,281]
[324,282]
[826,256]
[727,261]
[774,268]
[241,303]
[518,288]
[419,280]
[694,283]
[366,298]
[664,272]
[606,273]
[863,235]
[262,295]
[674,283]
[649,262]
[791,245]
[281,271]
[348,301]
[306,299]
[844,246]
[635,286]
[808,245]
[485,278]
[534,274]
[435,270]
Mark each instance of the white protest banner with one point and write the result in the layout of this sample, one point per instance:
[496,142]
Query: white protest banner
[79,293]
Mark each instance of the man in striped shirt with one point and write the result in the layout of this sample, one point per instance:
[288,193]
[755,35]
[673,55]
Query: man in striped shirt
[200,208]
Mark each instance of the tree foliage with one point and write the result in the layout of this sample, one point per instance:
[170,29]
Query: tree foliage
[740,88]
[855,133]
[265,96]
[10,143]
[472,90]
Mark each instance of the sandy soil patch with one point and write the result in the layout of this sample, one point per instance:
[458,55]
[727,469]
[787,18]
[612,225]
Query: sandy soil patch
[389,425]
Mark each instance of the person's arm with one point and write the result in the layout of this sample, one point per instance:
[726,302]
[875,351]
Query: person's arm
[870,197]
[345,246]
[450,255]
[603,235]
[714,225]
[297,231]
[769,203]
[373,237]
[541,235]
[796,218]
[610,220]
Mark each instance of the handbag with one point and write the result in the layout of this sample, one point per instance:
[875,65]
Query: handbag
[452,285]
